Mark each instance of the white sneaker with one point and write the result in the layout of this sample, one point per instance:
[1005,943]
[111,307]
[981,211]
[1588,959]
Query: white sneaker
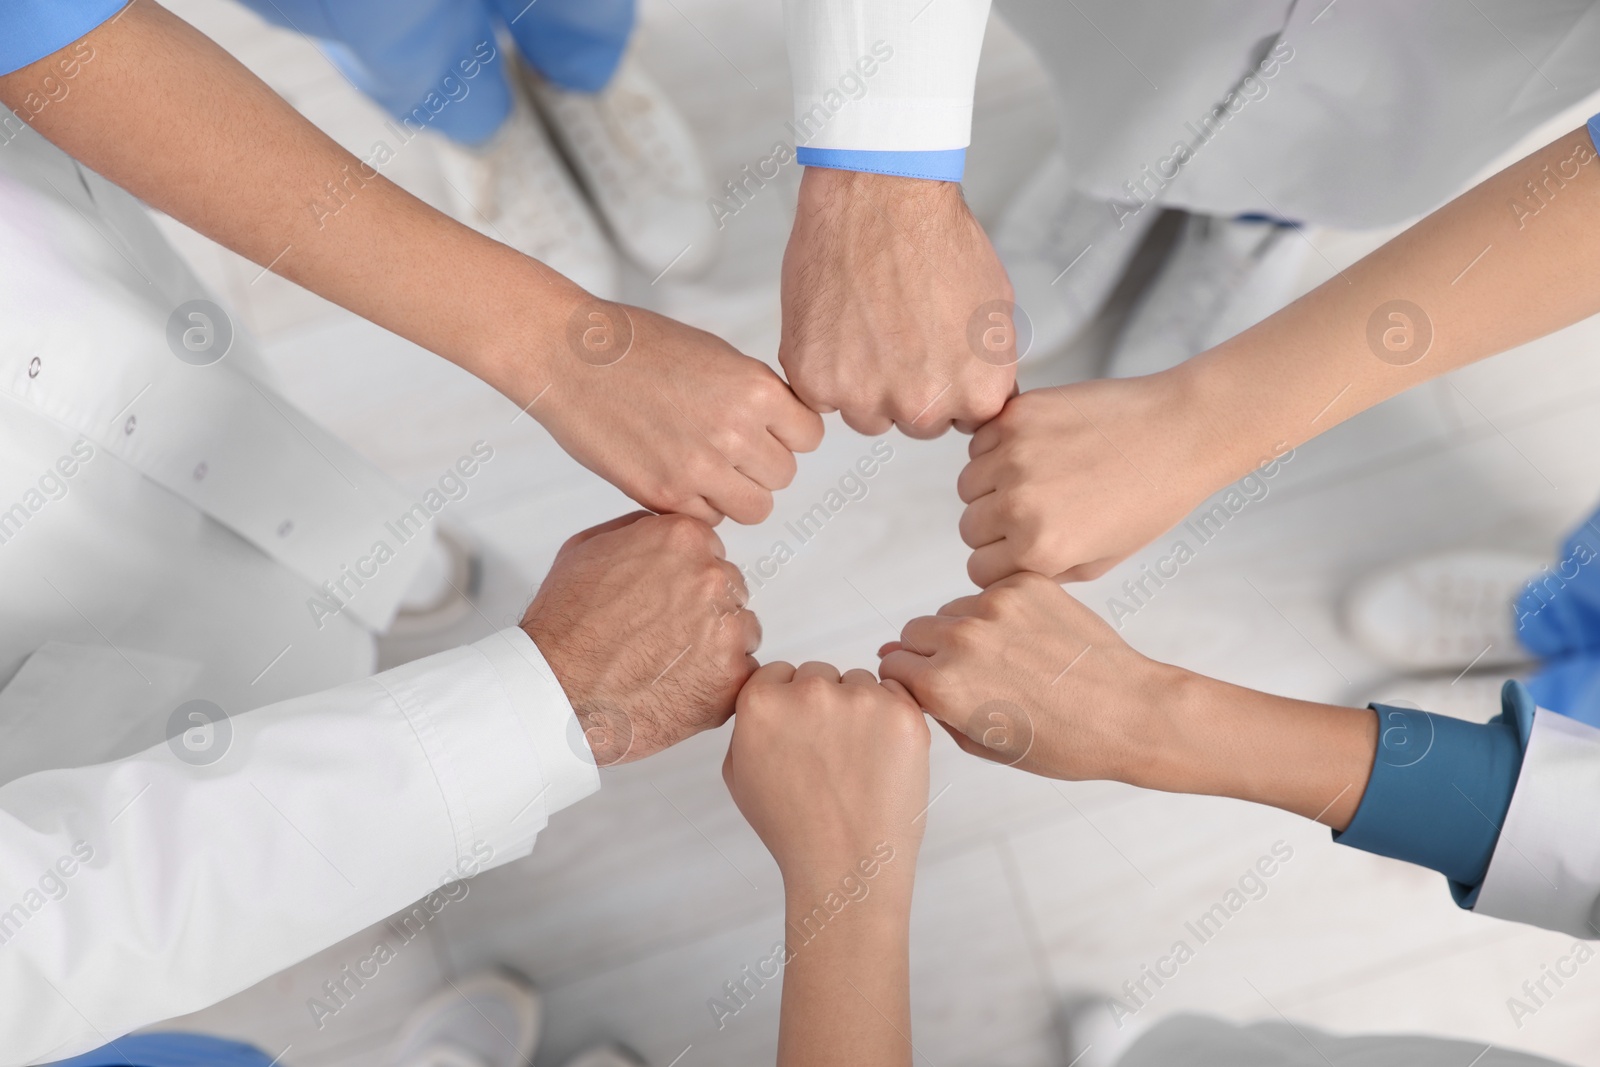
[1222,276]
[1474,696]
[1444,611]
[441,594]
[516,189]
[1065,252]
[606,1056]
[636,156]
[1090,1036]
[488,1019]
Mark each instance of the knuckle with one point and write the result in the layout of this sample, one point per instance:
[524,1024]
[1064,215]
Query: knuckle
[705,464]
[1013,507]
[759,507]
[813,689]
[1001,598]
[682,532]
[660,493]
[966,634]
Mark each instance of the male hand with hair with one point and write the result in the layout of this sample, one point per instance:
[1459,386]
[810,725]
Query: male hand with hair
[883,280]
[643,621]
[896,309]
[847,852]
[464,756]
[673,416]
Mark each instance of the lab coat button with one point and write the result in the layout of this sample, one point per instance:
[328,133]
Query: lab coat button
[33,367]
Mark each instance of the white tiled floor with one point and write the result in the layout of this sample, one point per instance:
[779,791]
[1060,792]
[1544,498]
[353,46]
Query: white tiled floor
[639,903]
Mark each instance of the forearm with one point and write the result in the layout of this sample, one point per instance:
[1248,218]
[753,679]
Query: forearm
[847,984]
[1495,268]
[1213,738]
[165,113]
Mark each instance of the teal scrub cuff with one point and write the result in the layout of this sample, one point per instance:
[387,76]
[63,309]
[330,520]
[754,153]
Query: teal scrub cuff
[943,166]
[1440,789]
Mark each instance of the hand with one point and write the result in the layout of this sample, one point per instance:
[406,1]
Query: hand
[1069,480]
[1025,675]
[831,772]
[673,416]
[643,621]
[884,280]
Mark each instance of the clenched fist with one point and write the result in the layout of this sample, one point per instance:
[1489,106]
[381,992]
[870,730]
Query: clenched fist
[1069,480]
[1025,675]
[643,621]
[830,771]
[896,310]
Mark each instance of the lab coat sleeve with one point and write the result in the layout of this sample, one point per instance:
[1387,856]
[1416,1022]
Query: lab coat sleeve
[149,887]
[1545,870]
[884,85]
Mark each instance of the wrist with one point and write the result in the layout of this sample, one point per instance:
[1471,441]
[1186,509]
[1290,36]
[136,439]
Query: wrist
[834,192]
[881,868]
[1153,744]
[1183,729]
[882,902]
[1212,425]
[533,318]
[1217,739]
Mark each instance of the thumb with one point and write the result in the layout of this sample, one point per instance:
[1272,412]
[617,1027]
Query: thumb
[918,675]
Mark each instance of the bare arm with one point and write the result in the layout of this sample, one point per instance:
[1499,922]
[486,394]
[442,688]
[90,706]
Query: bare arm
[674,417]
[833,774]
[175,120]
[1069,481]
[990,668]
[1510,260]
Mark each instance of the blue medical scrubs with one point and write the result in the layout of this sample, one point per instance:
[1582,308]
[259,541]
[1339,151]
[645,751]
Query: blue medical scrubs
[1558,621]
[430,54]
[171,1050]
[436,63]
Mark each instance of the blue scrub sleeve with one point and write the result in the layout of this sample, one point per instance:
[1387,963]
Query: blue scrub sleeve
[33,29]
[1440,789]
[944,166]
[171,1050]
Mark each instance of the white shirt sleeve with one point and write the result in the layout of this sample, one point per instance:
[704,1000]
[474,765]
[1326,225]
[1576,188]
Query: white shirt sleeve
[876,77]
[1546,865]
[149,887]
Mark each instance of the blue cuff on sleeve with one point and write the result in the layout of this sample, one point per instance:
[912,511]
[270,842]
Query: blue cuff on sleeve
[33,29]
[1440,789]
[943,166]
[1594,132]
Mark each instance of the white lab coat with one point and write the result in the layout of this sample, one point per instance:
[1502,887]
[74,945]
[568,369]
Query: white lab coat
[1199,1041]
[1546,865]
[1383,111]
[177,560]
